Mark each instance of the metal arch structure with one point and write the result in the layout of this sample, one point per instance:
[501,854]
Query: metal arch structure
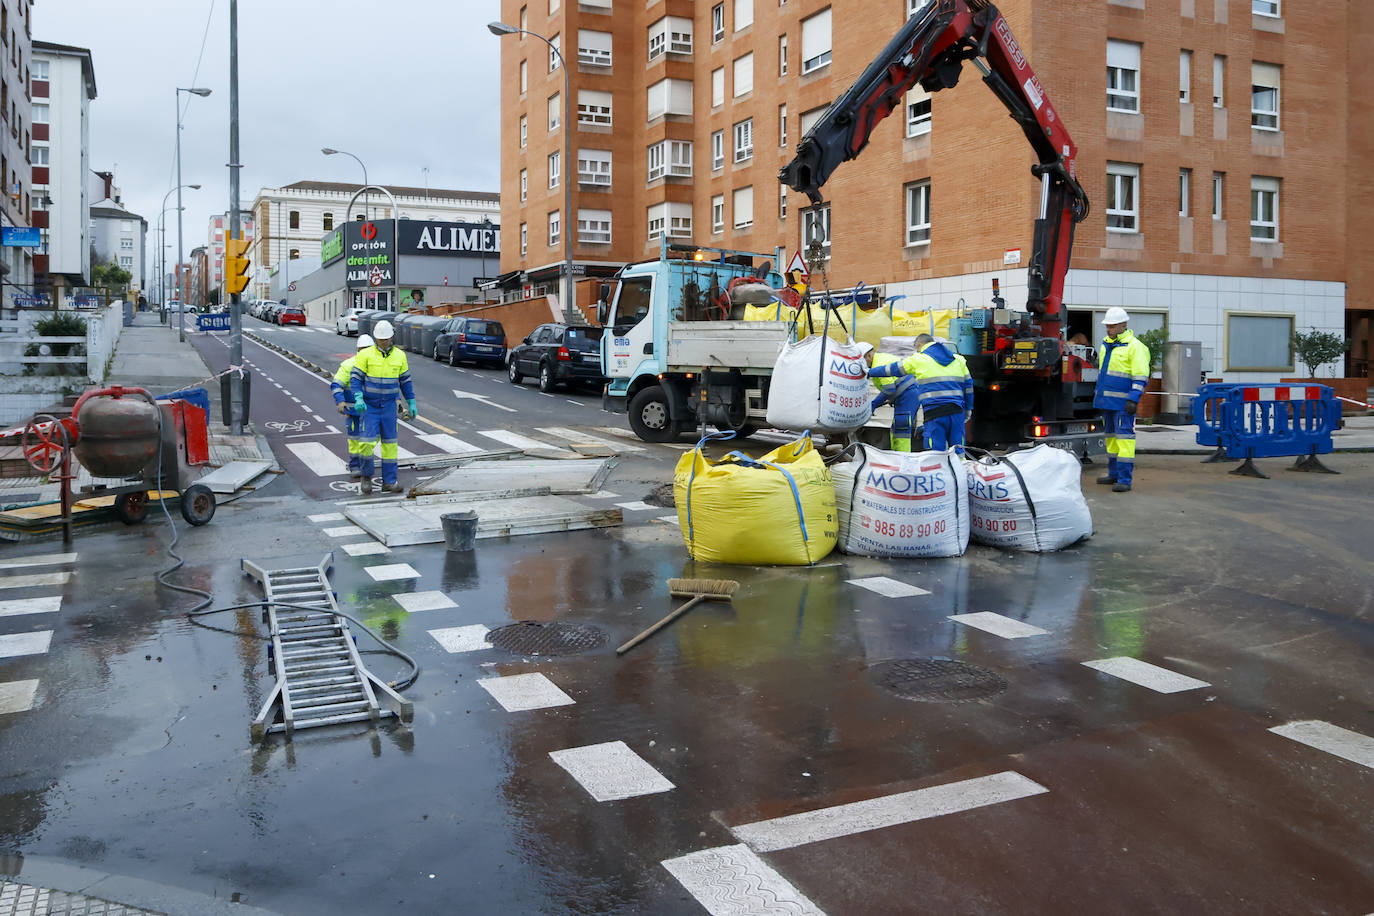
[395,231]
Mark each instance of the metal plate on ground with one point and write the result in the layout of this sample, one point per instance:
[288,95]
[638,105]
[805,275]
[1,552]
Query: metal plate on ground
[533,637]
[406,523]
[230,477]
[937,680]
[567,476]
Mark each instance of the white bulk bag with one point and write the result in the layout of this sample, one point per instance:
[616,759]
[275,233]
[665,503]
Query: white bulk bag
[901,504]
[1028,500]
[819,384]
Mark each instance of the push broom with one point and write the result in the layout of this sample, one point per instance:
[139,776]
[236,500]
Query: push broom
[698,590]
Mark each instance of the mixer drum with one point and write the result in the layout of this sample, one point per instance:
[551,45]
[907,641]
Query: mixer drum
[119,436]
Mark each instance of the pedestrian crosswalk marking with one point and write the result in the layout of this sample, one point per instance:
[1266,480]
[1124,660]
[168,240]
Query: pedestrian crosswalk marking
[365,549]
[1340,742]
[462,639]
[611,771]
[17,696]
[413,602]
[391,572]
[998,625]
[523,692]
[57,578]
[889,588]
[319,458]
[446,443]
[1160,680]
[733,881]
[515,440]
[572,435]
[45,559]
[17,644]
[18,607]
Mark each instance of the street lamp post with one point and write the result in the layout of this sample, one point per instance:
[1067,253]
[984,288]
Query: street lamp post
[162,241]
[181,312]
[328,151]
[570,313]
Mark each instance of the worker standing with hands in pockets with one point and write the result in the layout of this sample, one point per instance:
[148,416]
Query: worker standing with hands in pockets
[1123,372]
[381,373]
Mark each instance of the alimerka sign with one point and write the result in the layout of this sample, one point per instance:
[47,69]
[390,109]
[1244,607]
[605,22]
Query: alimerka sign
[370,253]
[423,237]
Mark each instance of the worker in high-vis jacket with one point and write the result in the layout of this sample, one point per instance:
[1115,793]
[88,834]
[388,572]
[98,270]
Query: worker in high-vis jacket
[343,402]
[901,393]
[1123,371]
[380,375]
[944,392]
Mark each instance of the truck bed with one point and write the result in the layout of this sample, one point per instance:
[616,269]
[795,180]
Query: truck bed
[750,345]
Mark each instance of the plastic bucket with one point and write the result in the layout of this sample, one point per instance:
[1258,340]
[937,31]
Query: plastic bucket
[460,529]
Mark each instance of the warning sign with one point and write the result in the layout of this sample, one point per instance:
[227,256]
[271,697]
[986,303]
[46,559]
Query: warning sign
[797,269]
[376,277]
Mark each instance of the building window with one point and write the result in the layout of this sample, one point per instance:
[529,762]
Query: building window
[524,239]
[524,185]
[744,140]
[918,213]
[126,261]
[524,20]
[1218,187]
[555,111]
[717,150]
[1185,76]
[1185,191]
[1264,96]
[717,23]
[1123,76]
[1123,210]
[594,227]
[815,41]
[555,52]
[126,244]
[782,55]
[717,87]
[782,125]
[593,48]
[295,254]
[1264,209]
[670,97]
[743,206]
[40,155]
[40,113]
[815,225]
[328,220]
[524,76]
[917,112]
[670,158]
[1218,81]
[1259,343]
[554,6]
[40,69]
[674,219]
[782,201]
[593,107]
[744,75]
[1265,7]
[555,227]
[718,213]
[524,131]
[293,219]
[670,35]
[555,162]
[594,167]
[809,118]
[744,14]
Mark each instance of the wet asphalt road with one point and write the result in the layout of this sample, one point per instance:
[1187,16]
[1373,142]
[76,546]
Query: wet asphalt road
[135,757]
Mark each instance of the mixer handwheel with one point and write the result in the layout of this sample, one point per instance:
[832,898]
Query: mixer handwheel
[44,442]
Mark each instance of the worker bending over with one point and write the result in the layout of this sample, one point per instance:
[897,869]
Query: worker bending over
[943,391]
[380,374]
[901,393]
[1123,371]
[353,418]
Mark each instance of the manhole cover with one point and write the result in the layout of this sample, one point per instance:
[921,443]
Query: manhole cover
[937,680]
[530,637]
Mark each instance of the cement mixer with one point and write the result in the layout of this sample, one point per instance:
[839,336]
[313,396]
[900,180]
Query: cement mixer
[124,433]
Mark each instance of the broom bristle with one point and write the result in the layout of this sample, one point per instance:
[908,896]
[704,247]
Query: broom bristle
[690,588]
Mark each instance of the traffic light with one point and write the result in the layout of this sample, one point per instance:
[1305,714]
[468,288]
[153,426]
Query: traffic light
[236,264]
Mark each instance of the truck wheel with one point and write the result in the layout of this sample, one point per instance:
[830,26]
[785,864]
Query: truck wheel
[513,372]
[131,508]
[650,417]
[546,382]
[745,430]
[198,504]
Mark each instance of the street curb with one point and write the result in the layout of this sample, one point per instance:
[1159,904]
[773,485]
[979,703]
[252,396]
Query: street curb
[289,354]
[59,875]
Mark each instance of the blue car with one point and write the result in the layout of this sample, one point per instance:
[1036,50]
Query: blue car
[472,340]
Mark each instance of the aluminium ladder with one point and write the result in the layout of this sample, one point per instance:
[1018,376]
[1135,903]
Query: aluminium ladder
[321,679]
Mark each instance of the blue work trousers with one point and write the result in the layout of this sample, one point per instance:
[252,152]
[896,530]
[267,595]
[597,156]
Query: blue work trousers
[379,424]
[1119,428]
[945,432]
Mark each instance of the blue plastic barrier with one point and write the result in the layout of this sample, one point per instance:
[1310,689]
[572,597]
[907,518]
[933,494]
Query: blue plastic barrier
[213,322]
[1275,421]
[1207,411]
[197,396]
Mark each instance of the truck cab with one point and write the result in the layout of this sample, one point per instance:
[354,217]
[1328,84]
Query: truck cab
[676,352]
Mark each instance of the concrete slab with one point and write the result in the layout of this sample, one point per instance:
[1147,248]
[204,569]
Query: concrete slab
[570,476]
[399,525]
[230,477]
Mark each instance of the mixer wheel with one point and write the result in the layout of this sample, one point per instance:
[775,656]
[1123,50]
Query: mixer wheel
[131,508]
[198,504]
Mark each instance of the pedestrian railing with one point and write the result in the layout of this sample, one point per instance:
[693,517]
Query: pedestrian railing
[1261,421]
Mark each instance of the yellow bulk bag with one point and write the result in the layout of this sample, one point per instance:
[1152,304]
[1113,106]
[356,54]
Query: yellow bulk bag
[774,510]
[934,322]
[774,311]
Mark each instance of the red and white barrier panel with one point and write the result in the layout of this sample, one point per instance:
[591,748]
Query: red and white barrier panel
[1282,393]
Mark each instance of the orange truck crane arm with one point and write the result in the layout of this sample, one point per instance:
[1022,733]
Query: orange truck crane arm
[931,49]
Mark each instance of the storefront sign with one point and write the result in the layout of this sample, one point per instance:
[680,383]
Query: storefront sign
[20,237]
[370,251]
[331,247]
[473,240]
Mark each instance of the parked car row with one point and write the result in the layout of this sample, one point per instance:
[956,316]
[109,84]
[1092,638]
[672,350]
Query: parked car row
[276,313]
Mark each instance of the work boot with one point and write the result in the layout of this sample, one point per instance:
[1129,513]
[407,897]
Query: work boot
[1121,488]
[355,475]
[397,488]
[367,486]
[1107,480]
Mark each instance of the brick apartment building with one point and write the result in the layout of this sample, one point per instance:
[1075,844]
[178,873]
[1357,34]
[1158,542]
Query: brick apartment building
[1223,144]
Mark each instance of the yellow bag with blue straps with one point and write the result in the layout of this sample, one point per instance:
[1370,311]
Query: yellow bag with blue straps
[775,510]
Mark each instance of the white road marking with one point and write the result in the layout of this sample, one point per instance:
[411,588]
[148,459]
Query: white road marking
[326,517]
[733,881]
[392,572]
[572,435]
[885,811]
[278,384]
[44,559]
[1160,680]
[482,399]
[344,531]
[424,601]
[522,692]
[318,418]
[1333,739]
[998,625]
[888,588]
[603,494]
[578,403]
[365,549]
[669,519]
[287,393]
[319,458]
[462,639]
[446,443]
[296,399]
[611,771]
[18,644]
[17,696]
[410,426]
[515,440]
[20,606]
[57,578]
[637,506]
[402,452]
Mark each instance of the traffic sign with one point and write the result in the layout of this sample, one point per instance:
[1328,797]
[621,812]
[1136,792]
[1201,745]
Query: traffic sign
[798,266]
[375,278]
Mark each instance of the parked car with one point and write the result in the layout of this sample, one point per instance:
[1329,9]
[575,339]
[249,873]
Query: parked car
[347,323]
[269,312]
[291,315]
[480,341]
[558,354]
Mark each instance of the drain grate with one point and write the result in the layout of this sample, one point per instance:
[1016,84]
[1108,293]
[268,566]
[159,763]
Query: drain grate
[937,680]
[530,637]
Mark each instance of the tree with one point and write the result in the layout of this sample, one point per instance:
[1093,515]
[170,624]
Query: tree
[1155,340]
[111,276]
[212,297]
[1315,349]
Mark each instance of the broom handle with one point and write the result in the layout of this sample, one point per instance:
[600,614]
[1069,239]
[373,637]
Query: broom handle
[658,626]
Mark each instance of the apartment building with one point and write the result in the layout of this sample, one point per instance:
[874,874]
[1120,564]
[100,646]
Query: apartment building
[215,250]
[18,85]
[1220,143]
[64,85]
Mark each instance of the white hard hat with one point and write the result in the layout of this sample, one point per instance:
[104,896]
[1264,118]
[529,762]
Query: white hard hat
[365,340]
[382,330]
[1116,316]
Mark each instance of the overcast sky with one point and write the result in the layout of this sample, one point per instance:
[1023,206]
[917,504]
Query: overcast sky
[405,85]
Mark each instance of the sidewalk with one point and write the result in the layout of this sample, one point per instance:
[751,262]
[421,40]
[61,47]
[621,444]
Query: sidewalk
[1157,439]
